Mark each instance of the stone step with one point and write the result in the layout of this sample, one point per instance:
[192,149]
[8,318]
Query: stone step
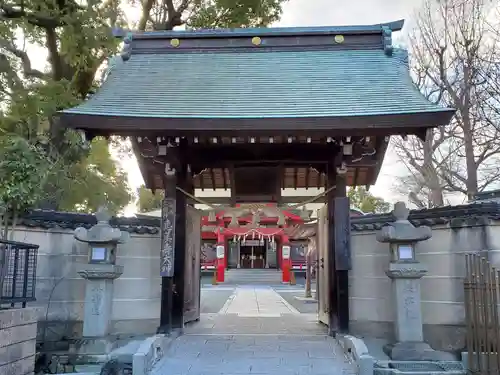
[88,369]
[253,277]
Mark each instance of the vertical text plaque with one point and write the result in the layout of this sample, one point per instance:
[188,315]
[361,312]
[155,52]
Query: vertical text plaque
[167,251]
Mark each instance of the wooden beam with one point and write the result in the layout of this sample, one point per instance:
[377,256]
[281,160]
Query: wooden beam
[380,147]
[218,155]
[356,175]
[143,166]
[227,200]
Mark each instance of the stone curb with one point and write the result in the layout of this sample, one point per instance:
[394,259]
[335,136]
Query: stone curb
[150,352]
[357,349]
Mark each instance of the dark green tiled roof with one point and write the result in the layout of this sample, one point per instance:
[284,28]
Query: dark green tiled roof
[329,78]
[277,84]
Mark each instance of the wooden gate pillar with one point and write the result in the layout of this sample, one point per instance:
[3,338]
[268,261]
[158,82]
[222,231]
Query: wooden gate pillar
[172,250]
[339,239]
[167,249]
[180,249]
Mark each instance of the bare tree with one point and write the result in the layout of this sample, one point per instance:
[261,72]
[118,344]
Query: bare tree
[454,62]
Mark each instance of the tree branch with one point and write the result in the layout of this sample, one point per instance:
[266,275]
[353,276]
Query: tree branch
[10,12]
[28,71]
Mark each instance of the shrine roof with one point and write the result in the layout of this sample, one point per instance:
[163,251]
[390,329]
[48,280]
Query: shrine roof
[328,78]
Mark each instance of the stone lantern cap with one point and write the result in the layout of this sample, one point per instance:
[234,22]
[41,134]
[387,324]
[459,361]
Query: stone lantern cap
[402,230]
[102,232]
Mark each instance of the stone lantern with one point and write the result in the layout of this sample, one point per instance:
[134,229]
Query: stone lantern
[100,271]
[405,271]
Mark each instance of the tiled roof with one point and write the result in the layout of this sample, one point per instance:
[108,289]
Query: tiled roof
[294,73]
[324,83]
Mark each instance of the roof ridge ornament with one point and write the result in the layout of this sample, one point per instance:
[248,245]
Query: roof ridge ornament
[387,40]
[113,61]
[127,47]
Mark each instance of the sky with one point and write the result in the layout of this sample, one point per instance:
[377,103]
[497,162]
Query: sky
[330,13]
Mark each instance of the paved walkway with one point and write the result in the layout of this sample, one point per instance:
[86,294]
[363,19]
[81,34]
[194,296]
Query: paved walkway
[257,302]
[255,332]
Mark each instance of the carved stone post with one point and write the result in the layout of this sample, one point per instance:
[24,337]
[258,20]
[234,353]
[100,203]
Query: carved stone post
[405,272]
[100,273]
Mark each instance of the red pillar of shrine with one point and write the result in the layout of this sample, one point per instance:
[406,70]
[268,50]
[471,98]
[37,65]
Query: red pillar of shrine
[286,260]
[221,257]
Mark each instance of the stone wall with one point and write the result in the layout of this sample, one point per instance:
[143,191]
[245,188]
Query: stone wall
[456,231]
[18,330]
[60,290]
[136,307]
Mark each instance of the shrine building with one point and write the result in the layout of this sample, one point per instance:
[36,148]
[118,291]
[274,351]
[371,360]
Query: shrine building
[256,111]
[254,247]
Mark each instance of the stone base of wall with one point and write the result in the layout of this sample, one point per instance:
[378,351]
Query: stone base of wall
[56,330]
[18,329]
[448,338]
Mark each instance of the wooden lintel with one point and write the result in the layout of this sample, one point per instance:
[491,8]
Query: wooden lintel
[215,155]
[283,200]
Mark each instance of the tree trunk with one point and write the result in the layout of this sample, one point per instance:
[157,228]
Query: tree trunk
[430,174]
[4,228]
[470,159]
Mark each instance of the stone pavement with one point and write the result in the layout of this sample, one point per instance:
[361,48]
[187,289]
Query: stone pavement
[255,332]
[257,302]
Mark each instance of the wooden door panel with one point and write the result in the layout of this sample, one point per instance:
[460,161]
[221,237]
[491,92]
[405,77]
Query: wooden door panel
[192,273]
[323,260]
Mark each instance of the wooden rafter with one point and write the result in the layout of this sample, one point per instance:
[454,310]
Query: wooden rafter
[212,177]
[224,178]
[202,183]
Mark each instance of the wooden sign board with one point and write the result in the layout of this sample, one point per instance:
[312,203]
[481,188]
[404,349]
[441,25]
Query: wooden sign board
[342,224]
[167,250]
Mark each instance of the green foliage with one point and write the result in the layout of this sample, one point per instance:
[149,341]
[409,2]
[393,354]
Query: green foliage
[23,174]
[95,181]
[77,40]
[234,13]
[363,200]
[147,201]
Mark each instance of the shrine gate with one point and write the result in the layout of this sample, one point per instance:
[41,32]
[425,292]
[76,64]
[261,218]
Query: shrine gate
[255,111]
